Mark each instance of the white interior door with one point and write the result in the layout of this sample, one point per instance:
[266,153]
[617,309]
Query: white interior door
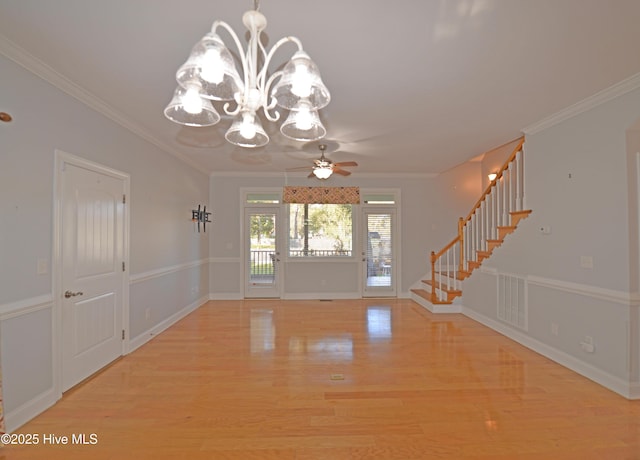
[92,282]
[262,256]
[378,252]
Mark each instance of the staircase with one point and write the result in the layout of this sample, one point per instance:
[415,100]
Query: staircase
[495,216]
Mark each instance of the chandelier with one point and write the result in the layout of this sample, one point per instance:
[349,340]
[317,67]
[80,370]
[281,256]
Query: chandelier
[210,75]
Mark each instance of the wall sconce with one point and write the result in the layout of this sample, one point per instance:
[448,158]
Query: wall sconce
[4,116]
[492,176]
[201,215]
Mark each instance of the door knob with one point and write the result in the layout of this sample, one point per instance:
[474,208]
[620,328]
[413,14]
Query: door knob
[69,294]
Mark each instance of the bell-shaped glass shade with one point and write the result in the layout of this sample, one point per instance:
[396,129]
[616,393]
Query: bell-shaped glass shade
[301,80]
[187,107]
[303,124]
[322,172]
[247,131]
[211,64]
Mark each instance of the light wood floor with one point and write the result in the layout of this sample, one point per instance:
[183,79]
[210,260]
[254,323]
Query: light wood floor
[359,379]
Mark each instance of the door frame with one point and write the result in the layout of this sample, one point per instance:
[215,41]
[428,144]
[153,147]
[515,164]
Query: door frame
[276,209]
[60,160]
[395,208]
[391,291]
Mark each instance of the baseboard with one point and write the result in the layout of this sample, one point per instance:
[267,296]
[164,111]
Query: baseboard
[322,295]
[226,296]
[611,382]
[143,338]
[34,407]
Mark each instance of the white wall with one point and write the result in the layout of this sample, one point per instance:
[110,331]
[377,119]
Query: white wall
[168,261]
[577,183]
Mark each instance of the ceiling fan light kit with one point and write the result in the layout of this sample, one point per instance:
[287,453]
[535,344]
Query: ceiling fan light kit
[323,168]
[210,74]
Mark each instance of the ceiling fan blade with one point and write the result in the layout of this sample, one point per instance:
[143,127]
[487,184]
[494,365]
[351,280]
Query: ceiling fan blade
[342,172]
[310,175]
[346,163]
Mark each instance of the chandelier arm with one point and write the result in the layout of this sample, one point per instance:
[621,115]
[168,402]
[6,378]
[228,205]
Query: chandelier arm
[270,102]
[273,50]
[234,112]
[241,51]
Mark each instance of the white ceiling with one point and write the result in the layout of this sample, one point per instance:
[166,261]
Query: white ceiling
[418,86]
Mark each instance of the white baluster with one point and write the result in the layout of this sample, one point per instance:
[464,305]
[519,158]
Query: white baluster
[511,190]
[487,233]
[439,291]
[455,266]
[448,268]
[524,183]
[465,248]
[505,196]
[518,167]
[493,211]
[474,230]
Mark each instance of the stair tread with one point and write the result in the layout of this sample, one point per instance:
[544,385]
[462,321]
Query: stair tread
[522,211]
[443,287]
[428,297]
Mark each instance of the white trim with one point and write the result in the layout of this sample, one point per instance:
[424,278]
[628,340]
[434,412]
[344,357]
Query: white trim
[620,386]
[322,296]
[48,74]
[60,158]
[25,306]
[275,174]
[226,296]
[143,338]
[597,99]
[31,409]
[151,274]
[436,308]
[609,295]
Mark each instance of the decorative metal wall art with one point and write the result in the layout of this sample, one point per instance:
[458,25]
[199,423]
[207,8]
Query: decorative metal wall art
[199,216]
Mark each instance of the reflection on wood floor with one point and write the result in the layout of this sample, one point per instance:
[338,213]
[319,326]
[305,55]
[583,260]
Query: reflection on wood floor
[357,379]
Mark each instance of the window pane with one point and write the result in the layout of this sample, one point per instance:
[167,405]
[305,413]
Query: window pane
[263,198]
[379,198]
[320,230]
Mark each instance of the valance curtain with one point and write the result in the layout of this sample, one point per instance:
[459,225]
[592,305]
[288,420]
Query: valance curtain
[321,195]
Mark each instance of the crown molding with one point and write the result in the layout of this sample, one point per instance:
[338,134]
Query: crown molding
[34,65]
[620,88]
[284,175]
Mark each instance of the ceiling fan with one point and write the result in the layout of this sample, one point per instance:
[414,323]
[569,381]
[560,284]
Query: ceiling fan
[323,168]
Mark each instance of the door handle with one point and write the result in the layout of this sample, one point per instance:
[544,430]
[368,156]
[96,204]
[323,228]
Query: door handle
[69,294]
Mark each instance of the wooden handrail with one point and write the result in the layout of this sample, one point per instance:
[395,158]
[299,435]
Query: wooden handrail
[446,248]
[504,167]
[462,222]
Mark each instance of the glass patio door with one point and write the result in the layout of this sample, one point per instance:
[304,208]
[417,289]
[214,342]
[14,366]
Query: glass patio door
[262,257]
[378,253]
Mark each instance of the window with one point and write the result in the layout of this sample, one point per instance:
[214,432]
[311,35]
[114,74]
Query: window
[320,230]
[263,198]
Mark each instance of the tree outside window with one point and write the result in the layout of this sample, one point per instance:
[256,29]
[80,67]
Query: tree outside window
[320,230]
